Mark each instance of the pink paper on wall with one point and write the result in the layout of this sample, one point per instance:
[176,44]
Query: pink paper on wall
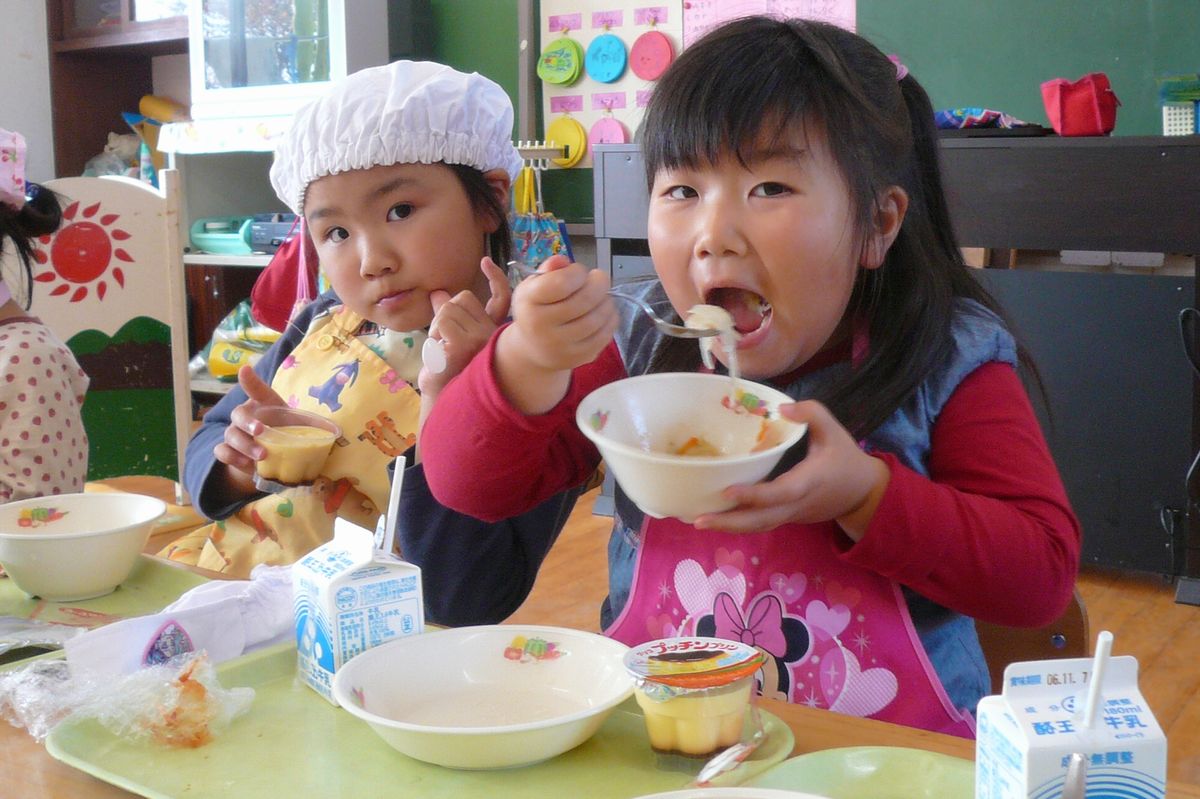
[701,16]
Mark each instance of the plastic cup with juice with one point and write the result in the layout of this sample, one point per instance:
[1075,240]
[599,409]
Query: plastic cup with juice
[297,444]
[694,692]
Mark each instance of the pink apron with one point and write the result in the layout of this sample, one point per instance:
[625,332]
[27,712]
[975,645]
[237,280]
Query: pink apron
[836,636]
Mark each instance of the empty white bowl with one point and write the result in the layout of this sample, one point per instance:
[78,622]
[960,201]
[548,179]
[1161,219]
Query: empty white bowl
[639,423]
[70,547]
[492,696]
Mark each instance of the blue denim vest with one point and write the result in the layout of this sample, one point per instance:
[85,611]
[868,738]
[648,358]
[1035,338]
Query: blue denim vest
[979,337]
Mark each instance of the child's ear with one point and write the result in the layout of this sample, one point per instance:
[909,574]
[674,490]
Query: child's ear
[890,208]
[499,183]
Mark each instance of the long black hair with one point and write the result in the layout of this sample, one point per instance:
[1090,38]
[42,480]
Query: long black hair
[41,214]
[759,77]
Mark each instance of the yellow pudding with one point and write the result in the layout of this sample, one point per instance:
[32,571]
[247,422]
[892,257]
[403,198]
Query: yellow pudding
[695,723]
[295,453]
[694,692]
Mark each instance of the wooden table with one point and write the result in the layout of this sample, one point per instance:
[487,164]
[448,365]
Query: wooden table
[27,770]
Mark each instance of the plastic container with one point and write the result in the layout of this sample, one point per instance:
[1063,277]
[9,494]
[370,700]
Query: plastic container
[694,692]
[297,444]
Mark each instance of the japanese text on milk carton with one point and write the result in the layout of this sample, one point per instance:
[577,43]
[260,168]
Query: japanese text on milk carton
[349,597]
[1027,735]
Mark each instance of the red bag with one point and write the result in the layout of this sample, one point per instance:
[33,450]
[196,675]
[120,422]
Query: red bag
[1086,107]
[289,281]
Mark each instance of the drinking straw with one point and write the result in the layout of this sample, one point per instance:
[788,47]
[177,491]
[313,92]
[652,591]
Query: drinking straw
[1099,665]
[384,542]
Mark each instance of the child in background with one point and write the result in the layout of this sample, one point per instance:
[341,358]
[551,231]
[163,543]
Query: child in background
[402,175]
[794,181]
[43,446]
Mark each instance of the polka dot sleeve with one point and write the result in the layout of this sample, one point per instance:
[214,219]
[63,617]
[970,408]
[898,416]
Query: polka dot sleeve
[43,446]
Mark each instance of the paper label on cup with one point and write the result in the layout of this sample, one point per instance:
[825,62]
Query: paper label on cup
[692,662]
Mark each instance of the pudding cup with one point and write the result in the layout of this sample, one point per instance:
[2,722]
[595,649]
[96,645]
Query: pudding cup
[297,444]
[694,692]
[694,722]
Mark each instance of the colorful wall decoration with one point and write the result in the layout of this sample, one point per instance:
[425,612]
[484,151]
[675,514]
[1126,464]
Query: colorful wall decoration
[599,60]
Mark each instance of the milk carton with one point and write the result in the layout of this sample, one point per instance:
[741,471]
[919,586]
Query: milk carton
[1027,735]
[349,597]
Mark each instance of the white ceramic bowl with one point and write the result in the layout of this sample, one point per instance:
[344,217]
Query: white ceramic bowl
[484,697]
[640,422]
[70,547]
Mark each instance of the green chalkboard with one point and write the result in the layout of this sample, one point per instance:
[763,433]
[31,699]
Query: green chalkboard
[990,53]
[997,53]
[478,36]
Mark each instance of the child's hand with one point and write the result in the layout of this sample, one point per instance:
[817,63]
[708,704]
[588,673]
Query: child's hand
[836,480]
[464,326]
[239,451]
[562,318]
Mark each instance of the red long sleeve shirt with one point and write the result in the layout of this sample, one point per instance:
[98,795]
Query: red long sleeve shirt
[989,533]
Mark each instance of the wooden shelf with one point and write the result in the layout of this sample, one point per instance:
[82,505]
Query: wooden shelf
[97,73]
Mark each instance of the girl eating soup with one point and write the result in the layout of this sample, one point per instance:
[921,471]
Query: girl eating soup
[794,182]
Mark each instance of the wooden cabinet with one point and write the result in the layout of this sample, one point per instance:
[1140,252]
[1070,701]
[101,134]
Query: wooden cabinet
[100,56]
[215,285]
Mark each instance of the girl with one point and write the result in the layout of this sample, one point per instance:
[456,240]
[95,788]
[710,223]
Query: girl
[43,446]
[401,174]
[794,181]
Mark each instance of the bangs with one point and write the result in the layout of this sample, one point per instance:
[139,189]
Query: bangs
[694,119]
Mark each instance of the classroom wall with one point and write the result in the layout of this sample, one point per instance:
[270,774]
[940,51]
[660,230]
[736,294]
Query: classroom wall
[990,53]
[25,83]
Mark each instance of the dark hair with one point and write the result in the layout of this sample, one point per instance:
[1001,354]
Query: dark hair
[484,201]
[758,77]
[40,215]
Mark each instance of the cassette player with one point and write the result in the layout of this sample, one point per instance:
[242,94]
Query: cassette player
[268,231]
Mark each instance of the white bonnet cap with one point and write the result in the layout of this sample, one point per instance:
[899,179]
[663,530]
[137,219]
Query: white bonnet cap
[406,112]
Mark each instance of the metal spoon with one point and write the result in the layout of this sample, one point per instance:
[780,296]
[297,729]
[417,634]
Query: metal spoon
[670,329]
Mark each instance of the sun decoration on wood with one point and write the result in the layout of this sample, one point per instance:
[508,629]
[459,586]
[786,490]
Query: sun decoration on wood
[81,252]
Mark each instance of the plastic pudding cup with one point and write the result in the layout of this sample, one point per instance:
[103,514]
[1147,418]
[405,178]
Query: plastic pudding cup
[694,692]
[297,444]
[694,722]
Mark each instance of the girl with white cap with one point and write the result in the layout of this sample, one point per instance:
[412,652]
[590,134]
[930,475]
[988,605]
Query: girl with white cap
[43,446]
[402,175]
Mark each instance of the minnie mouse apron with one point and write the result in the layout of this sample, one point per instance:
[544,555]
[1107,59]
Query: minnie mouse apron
[835,636]
[333,373]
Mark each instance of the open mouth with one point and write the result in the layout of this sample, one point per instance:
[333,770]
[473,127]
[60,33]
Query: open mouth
[748,309]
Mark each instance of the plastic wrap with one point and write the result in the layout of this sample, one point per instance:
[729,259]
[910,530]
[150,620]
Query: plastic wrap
[17,633]
[179,703]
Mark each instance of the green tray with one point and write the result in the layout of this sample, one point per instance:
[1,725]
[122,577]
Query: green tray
[151,586]
[873,772]
[292,742]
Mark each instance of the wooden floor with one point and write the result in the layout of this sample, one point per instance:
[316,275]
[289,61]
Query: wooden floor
[1139,611]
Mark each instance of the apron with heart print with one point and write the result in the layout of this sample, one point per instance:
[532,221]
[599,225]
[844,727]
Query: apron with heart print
[835,635]
[334,373]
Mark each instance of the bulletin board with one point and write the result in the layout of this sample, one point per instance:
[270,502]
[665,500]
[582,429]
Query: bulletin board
[589,100]
[609,95]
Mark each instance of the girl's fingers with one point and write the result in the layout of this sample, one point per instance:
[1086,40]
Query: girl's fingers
[501,292]
[437,299]
[459,315]
[241,440]
[746,520]
[256,388]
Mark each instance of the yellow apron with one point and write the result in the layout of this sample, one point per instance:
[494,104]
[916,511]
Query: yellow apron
[334,374]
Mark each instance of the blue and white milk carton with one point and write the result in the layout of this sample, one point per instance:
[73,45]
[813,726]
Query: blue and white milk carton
[348,597]
[1027,735]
